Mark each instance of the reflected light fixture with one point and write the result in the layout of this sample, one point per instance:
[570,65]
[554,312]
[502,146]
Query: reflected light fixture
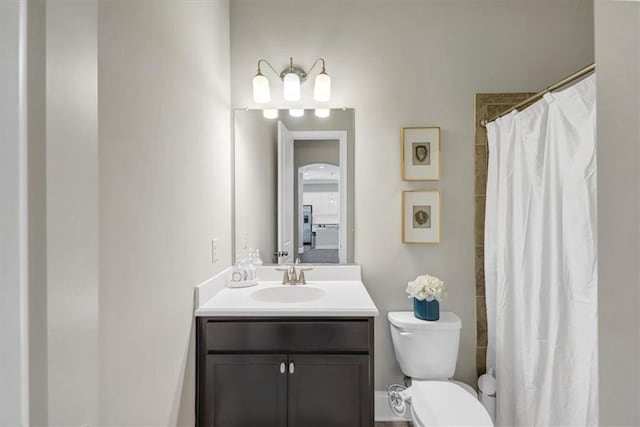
[270,113]
[292,77]
[323,112]
[296,112]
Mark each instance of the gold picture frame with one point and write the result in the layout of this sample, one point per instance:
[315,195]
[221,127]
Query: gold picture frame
[421,153]
[421,216]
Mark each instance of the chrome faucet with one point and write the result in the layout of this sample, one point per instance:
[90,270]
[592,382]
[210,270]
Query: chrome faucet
[293,277]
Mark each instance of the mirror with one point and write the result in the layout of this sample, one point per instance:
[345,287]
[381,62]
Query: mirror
[293,186]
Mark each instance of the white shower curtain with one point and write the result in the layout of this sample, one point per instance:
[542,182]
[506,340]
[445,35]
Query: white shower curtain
[540,261]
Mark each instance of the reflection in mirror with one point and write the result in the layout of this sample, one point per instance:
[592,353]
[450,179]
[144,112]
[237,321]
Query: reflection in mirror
[294,186]
[319,183]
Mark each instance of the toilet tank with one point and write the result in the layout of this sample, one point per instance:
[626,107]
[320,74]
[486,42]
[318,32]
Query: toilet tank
[425,350]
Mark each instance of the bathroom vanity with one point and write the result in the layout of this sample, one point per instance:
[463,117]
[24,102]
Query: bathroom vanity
[287,355]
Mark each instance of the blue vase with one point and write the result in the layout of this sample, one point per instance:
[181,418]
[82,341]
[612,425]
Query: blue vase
[426,310]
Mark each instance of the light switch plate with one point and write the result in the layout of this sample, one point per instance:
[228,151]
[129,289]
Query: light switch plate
[214,250]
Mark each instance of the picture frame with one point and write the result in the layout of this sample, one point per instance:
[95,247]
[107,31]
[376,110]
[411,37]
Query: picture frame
[421,216]
[421,153]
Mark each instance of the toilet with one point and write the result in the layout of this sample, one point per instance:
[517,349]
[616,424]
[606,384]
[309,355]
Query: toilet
[427,352]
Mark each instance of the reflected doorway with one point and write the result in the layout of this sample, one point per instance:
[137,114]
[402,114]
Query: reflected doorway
[304,148]
[319,209]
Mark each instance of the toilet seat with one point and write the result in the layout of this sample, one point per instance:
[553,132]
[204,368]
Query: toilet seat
[443,403]
[467,388]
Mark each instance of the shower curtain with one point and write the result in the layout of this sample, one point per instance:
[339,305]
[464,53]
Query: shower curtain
[540,261]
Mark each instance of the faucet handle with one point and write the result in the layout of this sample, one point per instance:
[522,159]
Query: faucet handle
[286,277]
[301,279]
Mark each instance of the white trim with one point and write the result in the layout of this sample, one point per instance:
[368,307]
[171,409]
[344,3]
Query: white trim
[279,215]
[23,209]
[300,214]
[341,136]
[285,149]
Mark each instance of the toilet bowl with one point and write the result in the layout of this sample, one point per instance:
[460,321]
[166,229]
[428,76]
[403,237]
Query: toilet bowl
[427,352]
[445,403]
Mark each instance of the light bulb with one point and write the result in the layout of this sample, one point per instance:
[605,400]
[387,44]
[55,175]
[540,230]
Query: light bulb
[323,112]
[322,87]
[296,112]
[270,113]
[291,87]
[261,92]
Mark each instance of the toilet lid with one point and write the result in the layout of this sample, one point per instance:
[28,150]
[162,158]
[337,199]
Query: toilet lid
[408,321]
[442,403]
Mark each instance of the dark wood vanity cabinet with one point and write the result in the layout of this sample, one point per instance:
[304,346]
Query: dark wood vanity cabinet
[243,390]
[271,372]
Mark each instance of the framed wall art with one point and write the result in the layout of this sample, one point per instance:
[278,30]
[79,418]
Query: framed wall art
[421,216]
[421,153]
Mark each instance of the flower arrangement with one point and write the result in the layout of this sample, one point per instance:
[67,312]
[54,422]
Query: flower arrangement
[427,288]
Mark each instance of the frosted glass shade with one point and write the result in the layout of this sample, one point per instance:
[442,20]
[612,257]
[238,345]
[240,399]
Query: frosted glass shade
[270,113]
[323,112]
[296,112]
[322,88]
[261,92]
[291,87]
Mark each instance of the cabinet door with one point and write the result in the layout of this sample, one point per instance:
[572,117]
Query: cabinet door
[245,390]
[329,391]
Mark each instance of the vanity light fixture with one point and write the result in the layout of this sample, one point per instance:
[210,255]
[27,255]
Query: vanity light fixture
[291,86]
[261,93]
[292,77]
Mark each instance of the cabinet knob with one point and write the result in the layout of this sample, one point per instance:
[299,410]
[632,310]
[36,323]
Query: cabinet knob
[283,368]
[292,368]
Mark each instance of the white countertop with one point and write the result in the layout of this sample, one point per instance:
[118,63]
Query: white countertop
[318,298]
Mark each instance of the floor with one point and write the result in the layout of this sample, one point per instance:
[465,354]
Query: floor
[319,256]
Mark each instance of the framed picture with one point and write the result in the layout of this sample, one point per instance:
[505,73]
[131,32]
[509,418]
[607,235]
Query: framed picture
[420,217]
[421,154]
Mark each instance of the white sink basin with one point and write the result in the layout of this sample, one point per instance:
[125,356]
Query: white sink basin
[331,291]
[288,294]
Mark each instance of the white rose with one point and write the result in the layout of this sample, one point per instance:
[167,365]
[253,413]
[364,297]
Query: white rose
[426,287]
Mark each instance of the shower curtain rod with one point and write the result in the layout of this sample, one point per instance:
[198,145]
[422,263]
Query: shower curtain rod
[586,70]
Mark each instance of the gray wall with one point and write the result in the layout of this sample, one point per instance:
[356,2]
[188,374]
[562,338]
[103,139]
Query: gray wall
[316,151]
[413,63]
[255,183]
[617,35]
[72,211]
[164,161]
[124,204]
